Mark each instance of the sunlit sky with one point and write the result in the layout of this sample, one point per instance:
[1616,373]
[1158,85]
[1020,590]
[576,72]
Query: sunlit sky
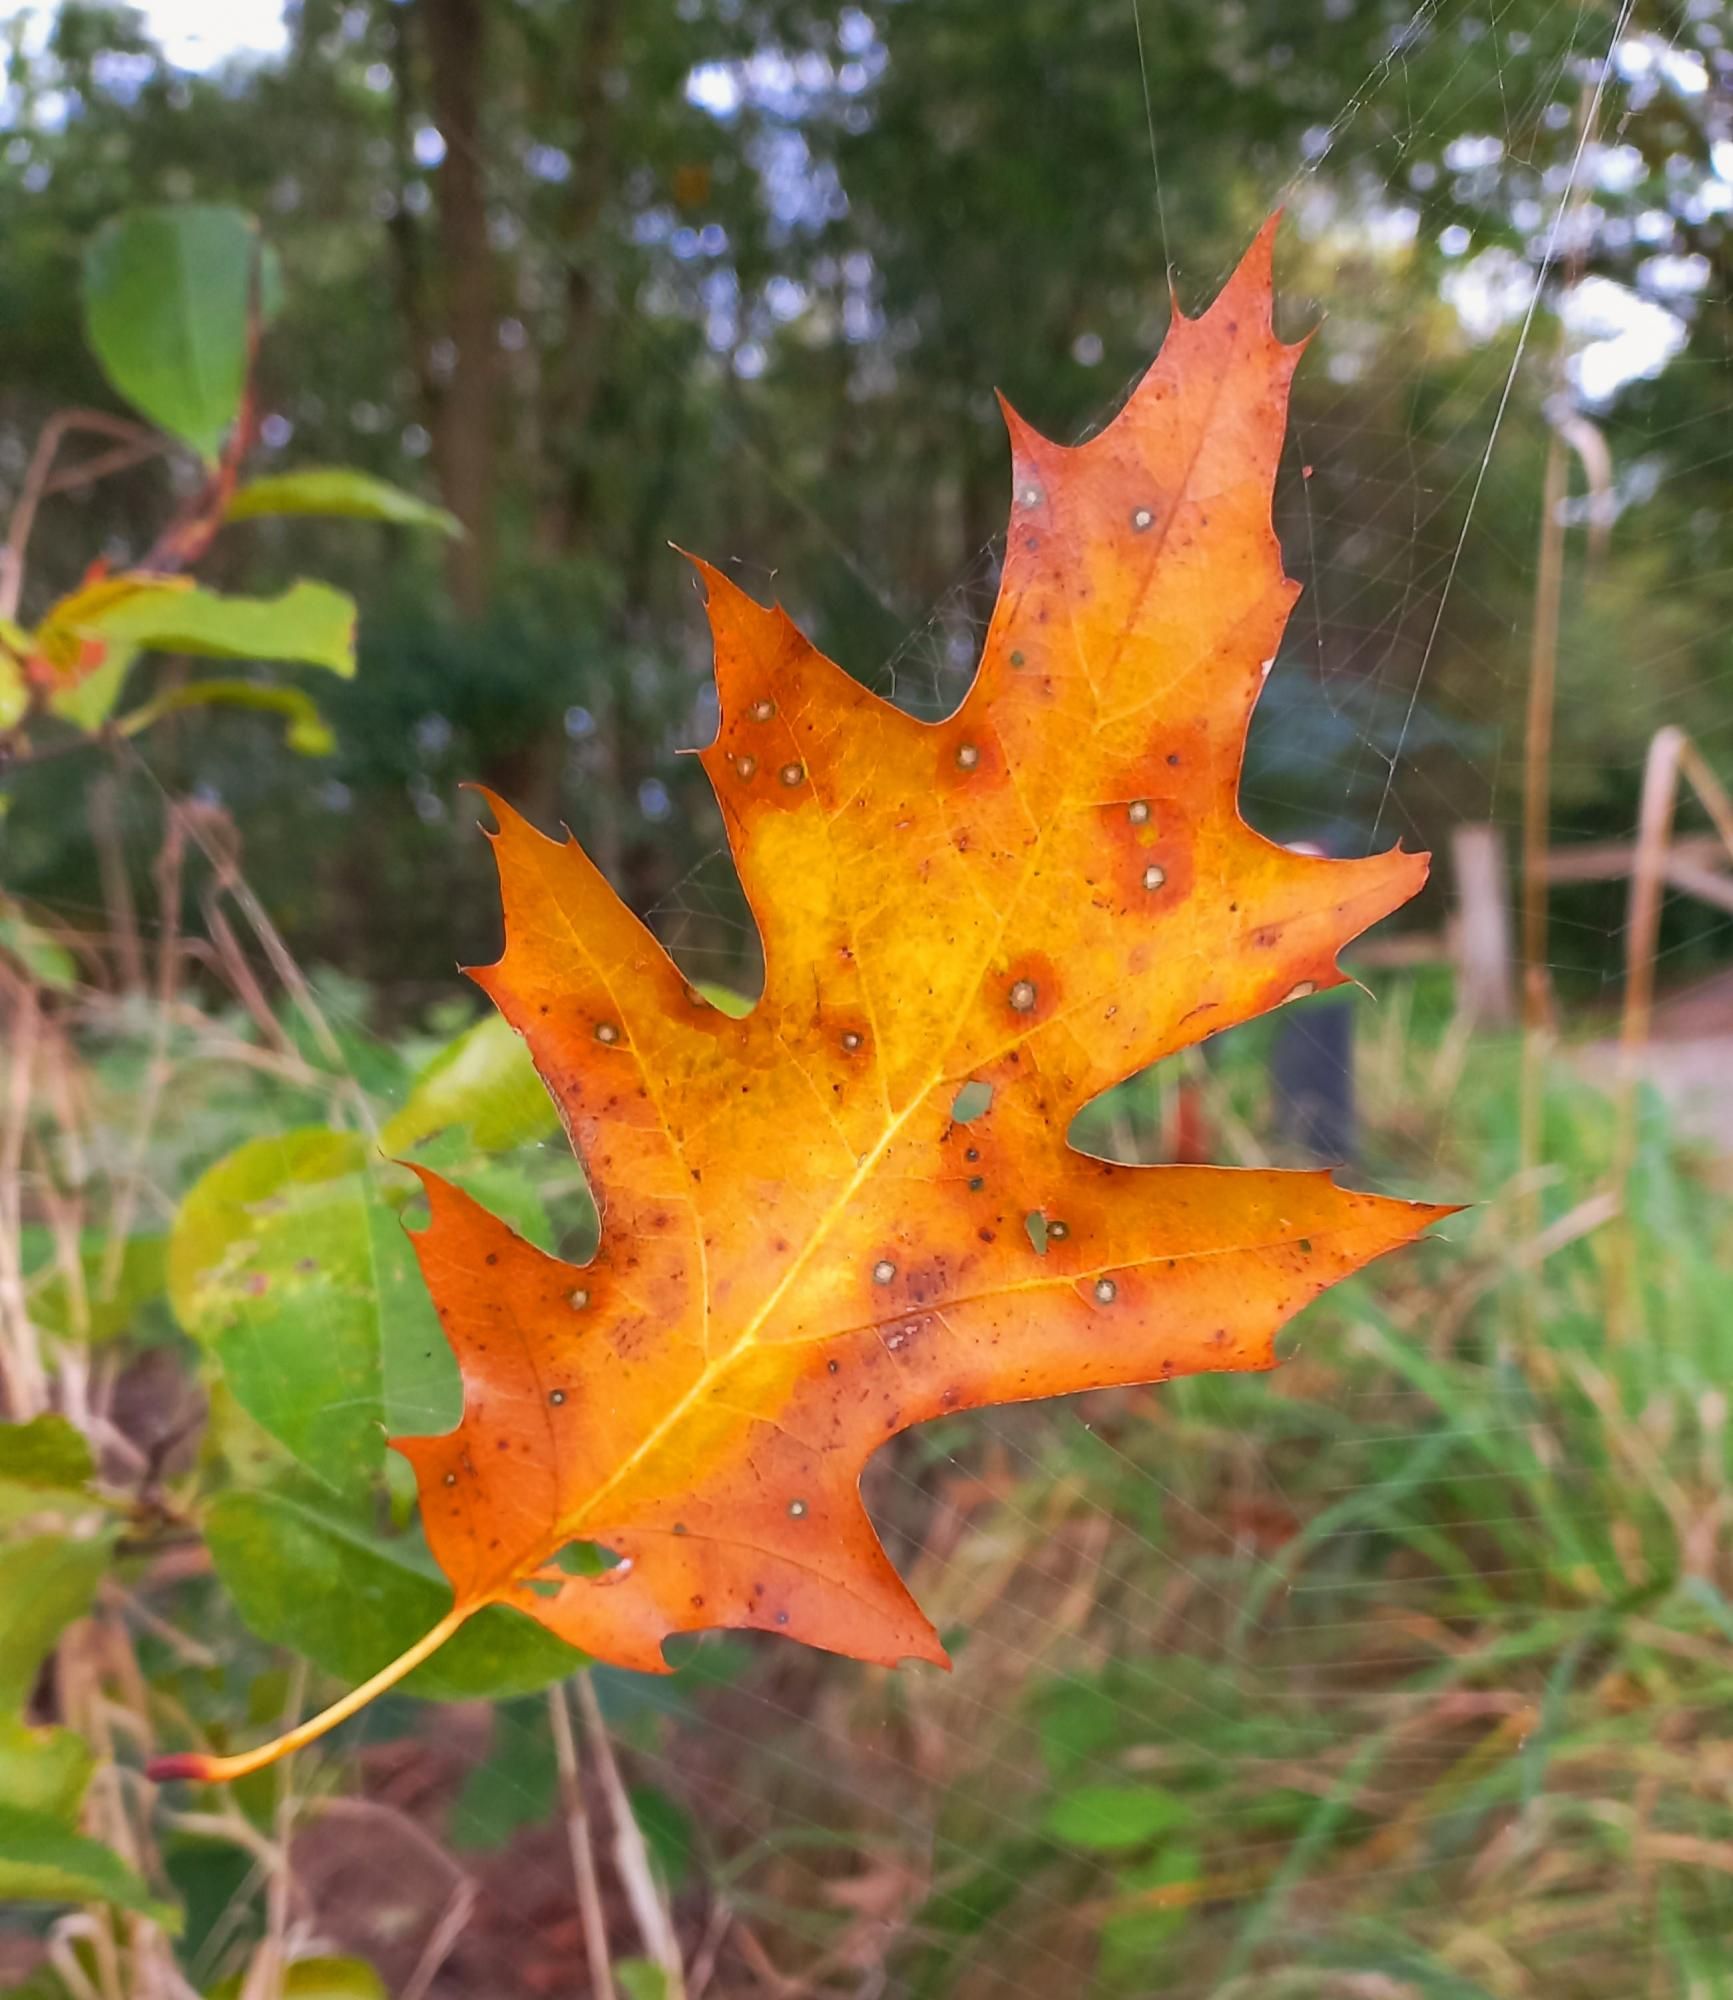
[193,33]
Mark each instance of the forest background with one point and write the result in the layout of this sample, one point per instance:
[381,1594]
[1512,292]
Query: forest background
[1403,1673]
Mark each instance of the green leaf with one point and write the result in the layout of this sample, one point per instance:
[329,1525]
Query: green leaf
[88,703]
[1078,1721]
[14,689]
[45,1583]
[168,298]
[735,1005]
[336,491]
[46,1456]
[638,1979]
[1108,1818]
[314,1979]
[667,1833]
[241,1445]
[513,1786]
[483,1080]
[309,623]
[44,1770]
[42,1862]
[512,1193]
[421,1388]
[46,961]
[41,1985]
[1134,1940]
[306,1578]
[305,729]
[271,1265]
[289,1261]
[46,1507]
[107,1312]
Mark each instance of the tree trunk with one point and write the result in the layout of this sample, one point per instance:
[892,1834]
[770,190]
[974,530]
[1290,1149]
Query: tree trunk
[402,231]
[573,373]
[454,37]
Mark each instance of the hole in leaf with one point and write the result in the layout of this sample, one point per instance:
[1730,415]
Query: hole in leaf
[1146,1120]
[1036,1224]
[586,1559]
[971,1102]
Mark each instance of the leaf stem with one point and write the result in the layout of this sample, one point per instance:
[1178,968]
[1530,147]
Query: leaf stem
[223,1770]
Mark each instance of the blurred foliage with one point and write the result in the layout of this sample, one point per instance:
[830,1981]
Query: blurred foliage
[176,300]
[745,275]
[1257,1681]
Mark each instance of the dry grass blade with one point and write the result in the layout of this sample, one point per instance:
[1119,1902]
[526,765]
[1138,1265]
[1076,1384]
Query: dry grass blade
[631,1855]
[581,1845]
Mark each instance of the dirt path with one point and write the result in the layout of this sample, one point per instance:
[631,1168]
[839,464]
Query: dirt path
[1689,1060]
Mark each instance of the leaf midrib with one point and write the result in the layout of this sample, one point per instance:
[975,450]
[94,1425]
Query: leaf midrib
[713,1370]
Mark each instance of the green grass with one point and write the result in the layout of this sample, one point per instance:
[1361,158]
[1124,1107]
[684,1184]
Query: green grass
[1407,1671]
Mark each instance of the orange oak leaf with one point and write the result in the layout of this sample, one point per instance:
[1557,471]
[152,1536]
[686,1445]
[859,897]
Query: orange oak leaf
[805,1246]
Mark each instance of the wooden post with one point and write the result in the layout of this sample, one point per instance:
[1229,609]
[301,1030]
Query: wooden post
[1485,974]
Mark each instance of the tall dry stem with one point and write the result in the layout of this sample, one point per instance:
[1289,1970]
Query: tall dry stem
[631,1855]
[580,1842]
[1672,757]
[1536,829]
[23,1383]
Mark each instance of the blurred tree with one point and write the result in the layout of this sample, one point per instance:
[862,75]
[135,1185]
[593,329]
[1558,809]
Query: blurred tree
[463,407]
[743,273]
